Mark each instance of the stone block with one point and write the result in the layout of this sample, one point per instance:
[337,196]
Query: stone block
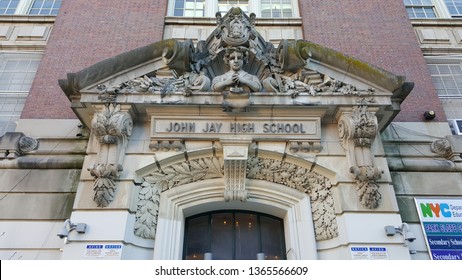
[5,32]
[348,200]
[36,206]
[427,183]
[39,180]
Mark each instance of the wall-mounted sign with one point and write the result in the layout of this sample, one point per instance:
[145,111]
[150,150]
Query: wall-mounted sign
[215,127]
[441,221]
[368,253]
[103,250]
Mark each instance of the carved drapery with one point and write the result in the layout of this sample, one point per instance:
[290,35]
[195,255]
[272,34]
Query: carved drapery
[316,186]
[112,127]
[357,130]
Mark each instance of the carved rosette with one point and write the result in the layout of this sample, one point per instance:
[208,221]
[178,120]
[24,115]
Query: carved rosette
[357,130]
[112,127]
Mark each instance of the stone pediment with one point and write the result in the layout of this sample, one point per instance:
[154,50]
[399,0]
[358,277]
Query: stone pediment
[235,68]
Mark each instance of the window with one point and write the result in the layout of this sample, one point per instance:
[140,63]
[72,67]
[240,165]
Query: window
[454,7]
[447,78]
[234,235]
[208,8]
[29,7]
[276,8]
[189,8]
[17,72]
[8,7]
[420,8]
[225,5]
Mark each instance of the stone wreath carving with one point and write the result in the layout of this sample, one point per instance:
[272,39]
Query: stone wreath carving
[357,131]
[315,185]
[167,178]
[112,127]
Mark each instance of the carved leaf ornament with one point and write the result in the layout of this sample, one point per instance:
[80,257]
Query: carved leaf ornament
[315,185]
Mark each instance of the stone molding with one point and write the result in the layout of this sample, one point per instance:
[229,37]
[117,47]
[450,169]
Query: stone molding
[292,175]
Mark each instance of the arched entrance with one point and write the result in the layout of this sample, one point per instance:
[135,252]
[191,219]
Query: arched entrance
[234,235]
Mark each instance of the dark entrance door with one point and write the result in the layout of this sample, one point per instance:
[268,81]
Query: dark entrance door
[234,235]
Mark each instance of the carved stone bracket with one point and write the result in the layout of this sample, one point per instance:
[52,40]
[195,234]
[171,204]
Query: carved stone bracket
[15,144]
[235,153]
[357,130]
[112,124]
[449,147]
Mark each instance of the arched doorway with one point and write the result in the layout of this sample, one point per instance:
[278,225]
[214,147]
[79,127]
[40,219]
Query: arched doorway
[234,235]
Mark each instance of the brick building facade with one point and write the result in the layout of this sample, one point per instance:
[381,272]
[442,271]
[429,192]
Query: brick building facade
[99,145]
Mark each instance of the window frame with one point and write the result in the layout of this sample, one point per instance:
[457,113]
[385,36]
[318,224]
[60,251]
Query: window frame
[445,60]
[430,5]
[211,7]
[24,7]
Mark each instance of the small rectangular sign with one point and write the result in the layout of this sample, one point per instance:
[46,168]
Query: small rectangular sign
[369,253]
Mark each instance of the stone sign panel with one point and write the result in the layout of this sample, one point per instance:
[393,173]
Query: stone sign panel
[307,128]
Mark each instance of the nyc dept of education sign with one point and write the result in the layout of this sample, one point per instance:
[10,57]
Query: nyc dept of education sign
[308,128]
[441,221]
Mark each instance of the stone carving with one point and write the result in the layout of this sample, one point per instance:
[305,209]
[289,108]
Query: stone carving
[235,60]
[441,147]
[16,144]
[357,131]
[166,145]
[315,185]
[104,187]
[167,178]
[235,152]
[112,127]
[305,147]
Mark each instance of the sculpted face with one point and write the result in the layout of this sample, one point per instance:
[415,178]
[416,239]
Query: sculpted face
[236,61]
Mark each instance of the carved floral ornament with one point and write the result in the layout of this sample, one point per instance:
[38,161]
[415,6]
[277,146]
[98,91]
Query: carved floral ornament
[112,127]
[316,186]
[235,58]
[357,130]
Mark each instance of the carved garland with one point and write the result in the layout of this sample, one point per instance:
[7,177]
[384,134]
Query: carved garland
[315,185]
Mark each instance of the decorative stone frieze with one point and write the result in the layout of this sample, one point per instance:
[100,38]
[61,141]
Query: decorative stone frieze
[305,147]
[316,186]
[236,61]
[111,126]
[166,145]
[357,130]
[16,144]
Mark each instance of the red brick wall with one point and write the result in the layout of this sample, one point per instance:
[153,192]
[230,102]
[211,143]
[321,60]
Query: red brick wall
[87,32]
[380,33]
